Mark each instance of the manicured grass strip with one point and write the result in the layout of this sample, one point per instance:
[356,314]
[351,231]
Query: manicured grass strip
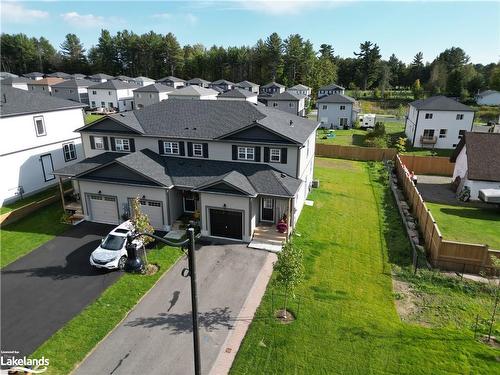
[69,346]
[25,235]
[347,322]
[468,224]
[91,118]
[33,198]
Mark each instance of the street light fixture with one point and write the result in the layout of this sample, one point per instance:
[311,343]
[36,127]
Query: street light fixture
[188,243]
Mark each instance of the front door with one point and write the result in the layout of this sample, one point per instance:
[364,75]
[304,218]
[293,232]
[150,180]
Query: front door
[267,209]
[47,167]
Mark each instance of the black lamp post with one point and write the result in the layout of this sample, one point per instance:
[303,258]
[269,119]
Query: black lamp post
[191,272]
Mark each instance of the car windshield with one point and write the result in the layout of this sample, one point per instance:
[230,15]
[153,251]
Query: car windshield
[112,242]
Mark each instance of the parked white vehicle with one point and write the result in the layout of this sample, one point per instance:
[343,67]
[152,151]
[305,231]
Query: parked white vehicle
[112,252]
[367,120]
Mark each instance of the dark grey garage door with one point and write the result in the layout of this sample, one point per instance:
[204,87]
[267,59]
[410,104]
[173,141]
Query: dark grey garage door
[225,223]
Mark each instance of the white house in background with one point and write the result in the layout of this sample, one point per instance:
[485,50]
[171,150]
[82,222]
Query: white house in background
[16,82]
[125,79]
[112,95]
[222,85]
[272,88]
[437,122]
[143,81]
[34,75]
[239,94]
[289,102]
[36,136]
[198,82]
[172,81]
[477,163]
[73,89]
[151,94]
[236,167]
[301,90]
[249,86]
[43,85]
[193,93]
[330,90]
[100,77]
[337,111]
[488,97]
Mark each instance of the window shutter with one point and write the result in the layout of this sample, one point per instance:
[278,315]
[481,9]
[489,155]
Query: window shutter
[257,153]
[190,148]
[266,154]
[283,155]
[92,142]
[235,152]
[132,144]
[161,150]
[181,149]
[113,146]
[205,150]
[106,145]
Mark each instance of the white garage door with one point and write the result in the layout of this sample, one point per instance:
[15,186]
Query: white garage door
[154,211]
[103,208]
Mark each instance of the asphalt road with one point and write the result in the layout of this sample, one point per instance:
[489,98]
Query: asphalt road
[49,286]
[156,337]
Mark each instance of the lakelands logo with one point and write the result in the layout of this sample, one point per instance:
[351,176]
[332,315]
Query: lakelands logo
[28,365]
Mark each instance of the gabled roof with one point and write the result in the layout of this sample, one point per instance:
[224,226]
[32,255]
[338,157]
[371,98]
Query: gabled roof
[193,90]
[48,81]
[272,84]
[198,81]
[15,102]
[299,87]
[288,96]
[123,78]
[440,103]
[247,84]
[79,76]
[170,79]
[13,80]
[88,164]
[59,75]
[331,86]
[113,84]
[143,79]
[483,155]
[155,87]
[235,180]
[126,121]
[337,98]
[101,76]
[74,83]
[222,82]
[237,93]
[33,75]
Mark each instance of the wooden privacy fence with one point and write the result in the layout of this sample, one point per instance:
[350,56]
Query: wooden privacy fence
[449,255]
[433,165]
[355,153]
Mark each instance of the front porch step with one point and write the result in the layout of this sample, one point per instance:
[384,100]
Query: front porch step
[255,244]
[269,238]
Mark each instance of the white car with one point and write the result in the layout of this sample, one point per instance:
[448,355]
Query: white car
[112,252]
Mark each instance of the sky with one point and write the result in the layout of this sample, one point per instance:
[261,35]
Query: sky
[403,28]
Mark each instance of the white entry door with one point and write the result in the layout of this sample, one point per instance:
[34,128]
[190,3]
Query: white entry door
[47,167]
[103,208]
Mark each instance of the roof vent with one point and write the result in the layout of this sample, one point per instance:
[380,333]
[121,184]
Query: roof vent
[186,128]
[283,175]
[194,128]
[122,114]
[291,122]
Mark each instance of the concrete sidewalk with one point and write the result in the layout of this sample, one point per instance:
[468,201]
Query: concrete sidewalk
[156,337]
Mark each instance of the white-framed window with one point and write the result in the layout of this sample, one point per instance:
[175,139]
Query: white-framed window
[93,103]
[39,126]
[99,143]
[103,104]
[461,133]
[324,106]
[246,153]
[122,144]
[109,92]
[442,133]
[275,104]
[69,151]
[428,133]
[267,203]
[197,149]
[428,116]
[275,155]
[110,105]
[342,107]
[94,92]
[460,116]
[171,148]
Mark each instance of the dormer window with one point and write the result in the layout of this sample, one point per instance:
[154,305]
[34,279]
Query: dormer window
[39,126]
[171,148]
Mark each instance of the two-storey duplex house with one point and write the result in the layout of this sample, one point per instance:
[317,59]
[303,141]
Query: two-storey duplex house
[247,85]
[43,85]
[329,90]
[272,88]
[337,111]
[112,95]
[151,94]
[239,94]
[198,82]
[301,90]
[289,102]
[36,136]
[222,85]
[73,89]
[235,164]
[172,81]
[437,122]
[100,77]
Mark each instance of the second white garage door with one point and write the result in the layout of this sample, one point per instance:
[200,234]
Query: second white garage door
[103,208]
[154,210]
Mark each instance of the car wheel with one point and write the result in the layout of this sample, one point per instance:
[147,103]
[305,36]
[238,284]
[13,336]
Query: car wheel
[121,263]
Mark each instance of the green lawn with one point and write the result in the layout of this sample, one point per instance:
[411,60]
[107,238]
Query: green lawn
[91,118]
[33,198]
[468,224]
[25,235]
[69,346]
[347,322]
[428,152]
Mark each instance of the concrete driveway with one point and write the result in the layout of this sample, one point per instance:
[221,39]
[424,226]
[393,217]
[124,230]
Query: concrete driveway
[49,286]
[156,337]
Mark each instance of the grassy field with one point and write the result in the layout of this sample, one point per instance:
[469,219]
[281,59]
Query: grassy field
[348,323]
[19,238]
[91,118]
[69,346]
[468,224]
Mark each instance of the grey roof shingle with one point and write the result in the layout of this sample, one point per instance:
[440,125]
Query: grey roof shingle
[155,87]
[33,75]
[299,87]
[114,84]
[20,102]
[79,76]
[13,80]
[336,98]
[440,103]
[288,96]
[193,90]
[101,76]
[143,79]
[331,86]
[74,83]
[124,78]
[272,84]
[198,81]
[8,75]
[246,84]
[88,164]
[59,75]
[222,82]
[237,93]
[170,79]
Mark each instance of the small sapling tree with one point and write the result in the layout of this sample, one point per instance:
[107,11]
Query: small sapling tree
[141,224]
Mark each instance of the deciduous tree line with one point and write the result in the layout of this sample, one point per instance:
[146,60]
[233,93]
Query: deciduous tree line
[289,61]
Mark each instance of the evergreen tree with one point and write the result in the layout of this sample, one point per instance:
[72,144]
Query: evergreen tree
[274,57]
[368,58]
[73,54]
